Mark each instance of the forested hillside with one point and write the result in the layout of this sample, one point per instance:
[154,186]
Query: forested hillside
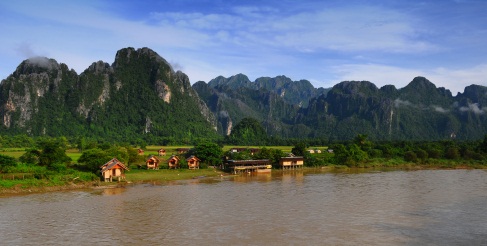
[140,98]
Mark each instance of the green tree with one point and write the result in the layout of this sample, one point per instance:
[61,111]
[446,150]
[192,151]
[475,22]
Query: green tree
[410,156]
[421,154]
[209,153]
[92,159]
[452,153]
[483,145]
[272,154]
[6,162]
[81,144]
[120,153]
[357,154]
[341,154]
[51,153]
[299,149]
[362,142]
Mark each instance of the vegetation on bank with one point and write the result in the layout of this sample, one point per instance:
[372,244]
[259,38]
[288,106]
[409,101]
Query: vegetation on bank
[47,162]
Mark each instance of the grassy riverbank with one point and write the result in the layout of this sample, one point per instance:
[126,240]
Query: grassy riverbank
[24,184]
[138,176]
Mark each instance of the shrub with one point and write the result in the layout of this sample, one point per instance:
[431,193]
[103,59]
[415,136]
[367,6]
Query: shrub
[6,162]
[410,156]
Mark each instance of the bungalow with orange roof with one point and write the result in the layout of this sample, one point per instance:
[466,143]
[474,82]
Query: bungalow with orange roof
[113,169]
[193,162]
[161,152]
[173,162]
[152,163]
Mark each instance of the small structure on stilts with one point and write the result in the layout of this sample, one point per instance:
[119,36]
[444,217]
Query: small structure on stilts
[291,162]
[113,169]
[259,166]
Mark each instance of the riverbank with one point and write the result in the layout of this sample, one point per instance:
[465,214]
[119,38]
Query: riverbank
[162,176]
[30,186]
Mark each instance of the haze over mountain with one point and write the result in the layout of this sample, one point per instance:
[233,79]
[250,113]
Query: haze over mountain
[141,97]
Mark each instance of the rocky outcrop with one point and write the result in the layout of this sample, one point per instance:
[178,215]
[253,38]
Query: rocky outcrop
[139,91]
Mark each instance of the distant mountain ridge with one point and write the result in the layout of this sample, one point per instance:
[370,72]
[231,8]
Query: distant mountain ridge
[419,111]
[141,98]
[293,92]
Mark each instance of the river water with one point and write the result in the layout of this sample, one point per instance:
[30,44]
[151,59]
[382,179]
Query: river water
[427,207]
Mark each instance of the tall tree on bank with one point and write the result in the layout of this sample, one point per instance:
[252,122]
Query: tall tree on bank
[209,153]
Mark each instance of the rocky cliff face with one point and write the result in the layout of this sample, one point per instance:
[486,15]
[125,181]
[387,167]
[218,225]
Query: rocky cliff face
[419,111]
[138,93]
[236,98]
[36,82]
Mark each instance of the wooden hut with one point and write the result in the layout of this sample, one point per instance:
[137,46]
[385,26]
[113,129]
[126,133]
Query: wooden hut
[113,169]
[152,163]
[193,162]
[140,151]
[173,162]
[161,152]
[291,162]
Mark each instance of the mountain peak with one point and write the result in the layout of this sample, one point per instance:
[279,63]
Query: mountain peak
[126,55]
[37,64]
[355,87]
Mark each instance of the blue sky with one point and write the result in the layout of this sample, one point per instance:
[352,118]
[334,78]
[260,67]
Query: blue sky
[325,42]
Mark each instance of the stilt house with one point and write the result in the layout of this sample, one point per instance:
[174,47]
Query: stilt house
[291,162]
[193,162]
[152,162]
[173,162]
[161,152]
[114,169]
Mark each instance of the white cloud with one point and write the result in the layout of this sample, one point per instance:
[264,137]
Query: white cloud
[473,107]
[440,109]
[398,103]
[352,29]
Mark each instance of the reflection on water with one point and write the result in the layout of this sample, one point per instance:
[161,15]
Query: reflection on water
[441,207]
[111,191]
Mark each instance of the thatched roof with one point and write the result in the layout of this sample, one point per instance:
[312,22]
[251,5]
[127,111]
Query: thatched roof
[111,164]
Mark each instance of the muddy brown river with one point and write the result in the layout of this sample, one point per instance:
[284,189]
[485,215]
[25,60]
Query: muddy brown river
[427,207]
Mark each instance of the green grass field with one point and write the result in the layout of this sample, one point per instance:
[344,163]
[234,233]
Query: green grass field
[13,152]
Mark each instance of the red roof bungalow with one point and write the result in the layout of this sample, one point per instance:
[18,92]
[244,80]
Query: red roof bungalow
[152,163]
[140,151]
[161,152]
[193,162]
[173,162]
[113,169]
